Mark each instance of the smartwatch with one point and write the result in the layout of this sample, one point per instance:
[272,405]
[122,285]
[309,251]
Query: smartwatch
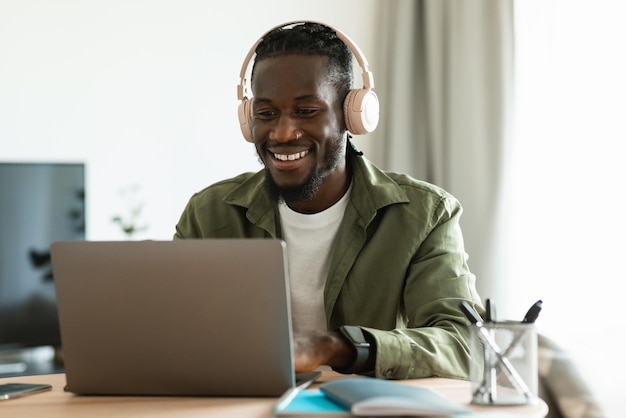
[354,335]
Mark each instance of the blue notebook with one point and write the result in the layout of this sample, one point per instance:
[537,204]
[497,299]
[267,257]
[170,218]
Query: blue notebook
[309,402]
[363,396]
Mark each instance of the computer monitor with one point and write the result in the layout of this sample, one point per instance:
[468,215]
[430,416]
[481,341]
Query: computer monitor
[40,203]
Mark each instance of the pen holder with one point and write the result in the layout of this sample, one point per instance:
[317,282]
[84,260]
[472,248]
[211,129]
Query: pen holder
[503,370]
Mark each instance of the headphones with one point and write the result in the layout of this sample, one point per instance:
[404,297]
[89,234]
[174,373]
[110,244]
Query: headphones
[360,108]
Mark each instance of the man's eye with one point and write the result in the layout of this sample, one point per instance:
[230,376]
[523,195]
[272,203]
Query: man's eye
[265,114]
[306,112]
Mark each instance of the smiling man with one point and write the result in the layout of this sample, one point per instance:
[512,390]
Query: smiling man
[376,259]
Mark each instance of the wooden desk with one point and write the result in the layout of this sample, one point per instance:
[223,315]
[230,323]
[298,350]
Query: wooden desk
[58,403]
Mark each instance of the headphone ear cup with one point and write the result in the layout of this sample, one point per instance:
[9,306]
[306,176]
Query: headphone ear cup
[361,111]
[244,113]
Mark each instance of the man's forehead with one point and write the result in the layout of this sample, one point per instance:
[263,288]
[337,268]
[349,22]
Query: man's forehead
[282,63]
[290,72]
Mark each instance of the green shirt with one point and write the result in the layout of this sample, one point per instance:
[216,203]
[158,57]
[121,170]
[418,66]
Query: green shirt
[399,267]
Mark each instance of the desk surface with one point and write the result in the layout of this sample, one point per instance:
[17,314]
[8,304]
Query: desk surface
[58,403]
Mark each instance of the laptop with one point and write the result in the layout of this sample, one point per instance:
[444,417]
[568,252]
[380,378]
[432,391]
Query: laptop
[185,317]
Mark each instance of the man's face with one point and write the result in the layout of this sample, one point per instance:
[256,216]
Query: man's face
[293,99]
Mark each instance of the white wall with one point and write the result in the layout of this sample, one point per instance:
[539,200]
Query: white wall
[144,92]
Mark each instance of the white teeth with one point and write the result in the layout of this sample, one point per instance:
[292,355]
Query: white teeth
[290,157]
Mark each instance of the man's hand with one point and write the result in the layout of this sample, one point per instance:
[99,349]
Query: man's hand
[318,348]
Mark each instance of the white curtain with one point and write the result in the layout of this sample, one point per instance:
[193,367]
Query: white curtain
[444,77]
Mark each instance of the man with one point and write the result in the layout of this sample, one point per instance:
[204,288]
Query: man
[376,260]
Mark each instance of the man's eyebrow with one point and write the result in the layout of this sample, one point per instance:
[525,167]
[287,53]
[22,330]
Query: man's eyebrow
[309,97]
[261,100]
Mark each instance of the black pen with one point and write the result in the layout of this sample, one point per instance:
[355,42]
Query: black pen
[490,374]
[533,313]
[529,318]
[470,313]
[490,311]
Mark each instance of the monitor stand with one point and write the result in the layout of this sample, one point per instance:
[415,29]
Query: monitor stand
[29,361]
[12,369]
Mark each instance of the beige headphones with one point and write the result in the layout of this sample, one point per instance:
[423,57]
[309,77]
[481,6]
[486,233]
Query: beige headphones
[361,107]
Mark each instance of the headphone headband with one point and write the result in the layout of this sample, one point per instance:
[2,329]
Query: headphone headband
[368,77]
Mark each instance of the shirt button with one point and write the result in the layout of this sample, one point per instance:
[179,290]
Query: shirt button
[389,373]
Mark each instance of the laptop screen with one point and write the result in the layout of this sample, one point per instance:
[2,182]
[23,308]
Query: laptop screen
[183,317]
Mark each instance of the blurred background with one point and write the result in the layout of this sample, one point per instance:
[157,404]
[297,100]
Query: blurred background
[515,106]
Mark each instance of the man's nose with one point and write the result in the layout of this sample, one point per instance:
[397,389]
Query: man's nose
[285,129]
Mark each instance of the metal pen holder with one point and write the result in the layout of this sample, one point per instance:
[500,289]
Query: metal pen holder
[503,369]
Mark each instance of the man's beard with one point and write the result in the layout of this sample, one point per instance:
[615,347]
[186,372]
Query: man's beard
[307,190]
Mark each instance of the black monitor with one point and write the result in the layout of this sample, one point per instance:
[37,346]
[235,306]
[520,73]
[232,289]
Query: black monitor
[39,203]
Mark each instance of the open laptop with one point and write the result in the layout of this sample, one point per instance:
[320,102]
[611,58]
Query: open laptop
[189,317]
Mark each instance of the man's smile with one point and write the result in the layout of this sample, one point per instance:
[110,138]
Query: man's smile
[290,157]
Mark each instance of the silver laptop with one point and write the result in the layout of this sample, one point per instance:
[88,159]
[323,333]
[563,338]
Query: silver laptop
[189,317]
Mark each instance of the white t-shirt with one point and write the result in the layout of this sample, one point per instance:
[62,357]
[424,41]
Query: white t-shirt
[310,240]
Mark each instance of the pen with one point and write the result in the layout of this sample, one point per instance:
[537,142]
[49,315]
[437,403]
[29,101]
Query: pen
[529,318]
[490,374]
[470,313]
[490,311]
[533,312]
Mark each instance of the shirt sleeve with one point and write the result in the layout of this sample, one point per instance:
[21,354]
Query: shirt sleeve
[435,341]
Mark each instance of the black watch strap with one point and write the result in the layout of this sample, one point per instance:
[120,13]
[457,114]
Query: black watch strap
[357,339]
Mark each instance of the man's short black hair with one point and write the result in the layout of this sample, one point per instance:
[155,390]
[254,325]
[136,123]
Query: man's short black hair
[310,39]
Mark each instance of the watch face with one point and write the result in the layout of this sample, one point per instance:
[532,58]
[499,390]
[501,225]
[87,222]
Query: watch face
[355,335]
